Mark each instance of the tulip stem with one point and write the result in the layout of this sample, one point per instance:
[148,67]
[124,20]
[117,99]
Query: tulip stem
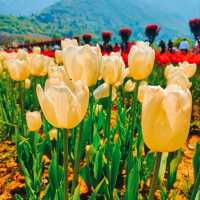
[109,111]
[21,92]
[196,186]
[155,175]
[77,157]
[65,148]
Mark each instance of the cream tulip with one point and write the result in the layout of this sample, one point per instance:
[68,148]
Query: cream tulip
[27,83]
[113,69]
[36,50]
[166,117]
[22,54]
[64,106]
[68,43]
[83,63]
[103,91]
[38,64]
[186,68]
[129,86]
[18,69]
[33,120]
[141,60]
[53,134]
[58,57]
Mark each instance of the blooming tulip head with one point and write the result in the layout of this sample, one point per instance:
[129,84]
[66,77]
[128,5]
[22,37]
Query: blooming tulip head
[113,69]
[18,69]
[103,91]
[64,106]
[38,64]
[180,75]
[33,120]
[68,43]
[58,57]
[36,50]
[141,60]
[165,117]
[83,63]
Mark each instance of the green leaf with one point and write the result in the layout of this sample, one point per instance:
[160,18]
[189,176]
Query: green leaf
[94,194]
[133,182]
[76,194]
[196,160]
[98,164]
[116,156]
[173,167]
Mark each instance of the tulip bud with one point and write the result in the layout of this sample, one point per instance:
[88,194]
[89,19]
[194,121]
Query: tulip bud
[113,69]
[33,120]
[21,54]
[53,134]
[98,109]
[58,57]
[36,50]
[129,86]
[64,106]
[166,117]
[27,83]
[17,69]
[103,91]
[188,69]
[141,60]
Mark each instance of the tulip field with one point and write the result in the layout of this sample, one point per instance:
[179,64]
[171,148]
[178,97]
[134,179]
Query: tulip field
[88,125]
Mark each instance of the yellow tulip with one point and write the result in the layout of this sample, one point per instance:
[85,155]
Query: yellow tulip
[38,64]
[33,120]
[103,91]
[36,50]
[129,86]
[18,69]
[53,134]
[113,69]
[141,61]
[68,43]
[186,68]
[166,117]
[27,83]
[22,54]
[1,67]
[83,63]
[64,106]
[58,57]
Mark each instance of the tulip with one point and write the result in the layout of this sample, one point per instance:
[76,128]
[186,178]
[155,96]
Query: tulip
[167,130]
[141,60]
[68,43]
[18,69]
[186,68]
[53,134]
[1,67]
[33,120]
[103,91]
[83,63]
[129,86]
[58,57]
[113,69]
[64,106]
[36,50]
[22,54]
[39,64]
[27,83]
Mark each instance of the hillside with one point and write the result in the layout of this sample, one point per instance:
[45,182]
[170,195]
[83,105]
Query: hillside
[72,17]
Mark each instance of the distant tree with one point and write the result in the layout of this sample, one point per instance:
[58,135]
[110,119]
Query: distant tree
[195,27]
[151,31]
